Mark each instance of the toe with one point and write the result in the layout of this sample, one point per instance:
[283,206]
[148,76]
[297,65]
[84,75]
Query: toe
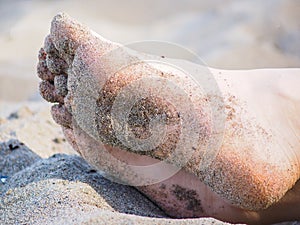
[61,115]
[54,62]
[67,34]
[42,68]
[56,65]
[49,46]
[48,92]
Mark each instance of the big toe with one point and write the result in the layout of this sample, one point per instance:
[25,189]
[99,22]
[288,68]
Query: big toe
[67,34]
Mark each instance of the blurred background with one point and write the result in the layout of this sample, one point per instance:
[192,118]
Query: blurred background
[229,34]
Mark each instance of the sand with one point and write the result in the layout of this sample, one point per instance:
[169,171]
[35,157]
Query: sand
[45,180]
[64,189]
[50,184]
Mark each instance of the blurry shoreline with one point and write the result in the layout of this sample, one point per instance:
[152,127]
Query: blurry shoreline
[225,34]
[228,34]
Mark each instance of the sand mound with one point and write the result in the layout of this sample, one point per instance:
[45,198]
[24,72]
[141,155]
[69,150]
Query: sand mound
[64,189]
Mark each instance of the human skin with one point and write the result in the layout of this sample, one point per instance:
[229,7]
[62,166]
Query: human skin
[287,208]
[251,179]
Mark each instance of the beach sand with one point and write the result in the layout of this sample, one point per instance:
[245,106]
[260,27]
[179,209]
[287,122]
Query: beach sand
[51,184]
[43,188]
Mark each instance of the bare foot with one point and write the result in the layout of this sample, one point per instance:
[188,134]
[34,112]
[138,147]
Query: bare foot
[248,178]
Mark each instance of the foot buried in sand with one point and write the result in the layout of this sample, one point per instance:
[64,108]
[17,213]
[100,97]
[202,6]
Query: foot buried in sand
[197,141]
